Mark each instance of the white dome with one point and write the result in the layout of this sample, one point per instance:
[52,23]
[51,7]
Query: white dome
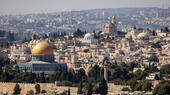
[142,35]
[88,36]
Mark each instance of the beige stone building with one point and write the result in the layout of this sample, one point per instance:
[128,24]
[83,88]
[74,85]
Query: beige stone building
[110,28]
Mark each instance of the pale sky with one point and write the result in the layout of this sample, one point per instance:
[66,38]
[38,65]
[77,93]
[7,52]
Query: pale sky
[48,6]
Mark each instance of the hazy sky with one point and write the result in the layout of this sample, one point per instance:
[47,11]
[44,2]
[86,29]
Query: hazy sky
[46,6]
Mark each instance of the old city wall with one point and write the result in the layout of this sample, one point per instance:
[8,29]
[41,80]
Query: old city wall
[49,87]
[6,87]
[112,89]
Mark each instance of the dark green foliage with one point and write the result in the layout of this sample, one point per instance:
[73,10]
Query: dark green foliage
[63,93]
[90,89]
[68,93]
[80,89]
[166,29]
[37,88]
[154,33]
[103,87]
[57,35]
[5,77]
[120,71]
[17,90]
[156,77]
[3,62]
[125,89]
[86,50]
[43,91]
[96,90]
[153,58]
[132,65]
[109,40]
[143,86]
[163,88]
[165,69]
[151,69]
[42,77]
[78,33]
[132,83]
[67,83]
[94,73]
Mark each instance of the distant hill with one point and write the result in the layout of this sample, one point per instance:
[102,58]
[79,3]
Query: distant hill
[88,20]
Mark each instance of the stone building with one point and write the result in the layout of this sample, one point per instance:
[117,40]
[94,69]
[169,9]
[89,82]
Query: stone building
[110,28]
[42,60]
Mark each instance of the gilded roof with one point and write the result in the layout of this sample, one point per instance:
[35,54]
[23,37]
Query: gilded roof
[42,48]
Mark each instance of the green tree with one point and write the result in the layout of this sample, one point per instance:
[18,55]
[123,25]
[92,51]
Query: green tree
[143,86]
[68,91]
[125,89]
[156,77]
[132,83]
[43,91]
[95,73]
[67,83]
[147,86]
[37,88]
[63,93]
[90,89]
[96,90]
[163,88]
[103,87]
[153,58]
[165,69]
[81,74]
[80,89]
[78,33]
[42,77]
[17,90]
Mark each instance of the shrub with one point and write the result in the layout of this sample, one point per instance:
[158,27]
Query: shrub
[67,83]
[125,89]
[43,91]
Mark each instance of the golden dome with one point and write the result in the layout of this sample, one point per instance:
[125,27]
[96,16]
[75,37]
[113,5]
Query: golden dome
[42,48]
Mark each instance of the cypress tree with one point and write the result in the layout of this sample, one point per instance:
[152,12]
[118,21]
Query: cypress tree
[17,90]
[80,88]
[103,87]
[37,88]
[90,89]
[69,91]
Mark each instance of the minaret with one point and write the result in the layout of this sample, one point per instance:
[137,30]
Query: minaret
[73,56]
[105,73]
[105,70]
[113,20]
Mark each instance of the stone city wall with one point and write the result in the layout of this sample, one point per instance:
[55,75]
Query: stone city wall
[6,87]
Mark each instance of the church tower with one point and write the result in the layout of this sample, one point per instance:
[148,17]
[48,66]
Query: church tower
[110,28]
